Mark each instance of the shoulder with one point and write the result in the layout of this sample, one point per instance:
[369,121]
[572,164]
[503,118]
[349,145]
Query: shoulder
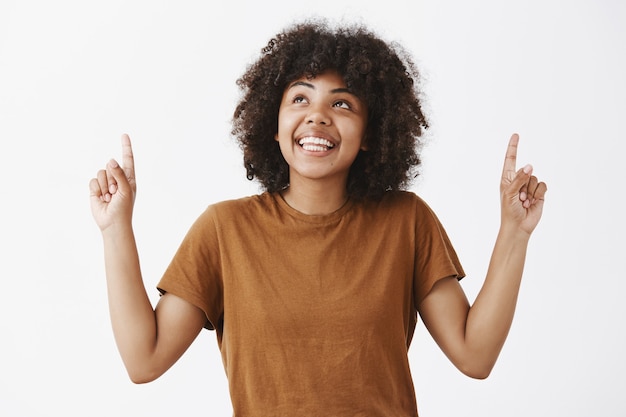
[241,208]
[403,200]
[252,202]
[226,214]
[407,205]
[394,207]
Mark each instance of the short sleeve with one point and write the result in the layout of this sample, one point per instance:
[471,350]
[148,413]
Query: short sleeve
[435,257]
[194,274]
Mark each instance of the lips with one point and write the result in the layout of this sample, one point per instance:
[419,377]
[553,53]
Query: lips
[315,144]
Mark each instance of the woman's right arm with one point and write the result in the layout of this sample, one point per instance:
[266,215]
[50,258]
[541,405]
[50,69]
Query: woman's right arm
[149,340]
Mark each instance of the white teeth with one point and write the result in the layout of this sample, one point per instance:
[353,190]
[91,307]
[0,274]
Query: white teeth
[314,148]
[311,143]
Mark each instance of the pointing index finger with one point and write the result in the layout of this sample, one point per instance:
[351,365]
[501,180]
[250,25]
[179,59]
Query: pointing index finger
[128,161]
[511,155]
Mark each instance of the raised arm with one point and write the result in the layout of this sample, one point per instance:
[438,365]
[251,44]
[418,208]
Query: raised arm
[472,336]
[149,341]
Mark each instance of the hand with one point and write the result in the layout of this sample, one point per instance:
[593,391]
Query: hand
[112,192]
[521,194]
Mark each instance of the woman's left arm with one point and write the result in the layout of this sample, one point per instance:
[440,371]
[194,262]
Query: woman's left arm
[472,336]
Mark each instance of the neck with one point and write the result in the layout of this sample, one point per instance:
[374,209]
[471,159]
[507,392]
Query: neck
[313,198]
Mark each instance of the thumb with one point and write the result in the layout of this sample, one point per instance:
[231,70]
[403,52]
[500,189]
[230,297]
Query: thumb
[120,181]
[519,182]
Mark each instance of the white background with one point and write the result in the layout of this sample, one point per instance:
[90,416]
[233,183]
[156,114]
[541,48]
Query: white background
[75,75]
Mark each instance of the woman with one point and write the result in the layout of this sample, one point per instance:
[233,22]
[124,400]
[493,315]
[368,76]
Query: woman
[314,286]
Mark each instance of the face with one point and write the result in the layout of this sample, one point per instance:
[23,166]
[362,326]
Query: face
[321,125]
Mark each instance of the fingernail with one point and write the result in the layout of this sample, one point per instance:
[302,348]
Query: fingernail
[528,168]
[113,163]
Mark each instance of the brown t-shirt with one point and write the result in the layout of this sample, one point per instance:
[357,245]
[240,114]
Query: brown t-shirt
[314,314]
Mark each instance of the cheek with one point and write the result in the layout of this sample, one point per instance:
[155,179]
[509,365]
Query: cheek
[286,120]
[283,140]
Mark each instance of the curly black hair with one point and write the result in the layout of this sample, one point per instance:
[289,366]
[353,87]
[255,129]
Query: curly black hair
[381,74]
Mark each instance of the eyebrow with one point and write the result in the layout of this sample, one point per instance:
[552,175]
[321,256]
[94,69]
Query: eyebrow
[309,85]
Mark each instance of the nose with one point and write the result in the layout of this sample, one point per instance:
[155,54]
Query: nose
[317,115]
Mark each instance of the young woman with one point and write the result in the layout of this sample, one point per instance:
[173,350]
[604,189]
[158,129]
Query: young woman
[314,286]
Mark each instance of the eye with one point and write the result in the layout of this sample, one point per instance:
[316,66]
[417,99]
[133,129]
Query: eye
[299,99]
[343,104]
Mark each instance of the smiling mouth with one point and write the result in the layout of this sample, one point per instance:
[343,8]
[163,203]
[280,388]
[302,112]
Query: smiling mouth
[314,144]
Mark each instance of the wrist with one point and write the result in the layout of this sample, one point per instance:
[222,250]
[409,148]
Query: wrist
[117,229]
[513,233]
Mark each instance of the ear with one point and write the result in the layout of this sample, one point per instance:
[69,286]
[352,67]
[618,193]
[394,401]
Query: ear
[364,141]
[276,137]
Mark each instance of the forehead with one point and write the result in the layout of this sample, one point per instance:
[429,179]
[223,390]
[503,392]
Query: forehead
[329,77]
[326,79]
